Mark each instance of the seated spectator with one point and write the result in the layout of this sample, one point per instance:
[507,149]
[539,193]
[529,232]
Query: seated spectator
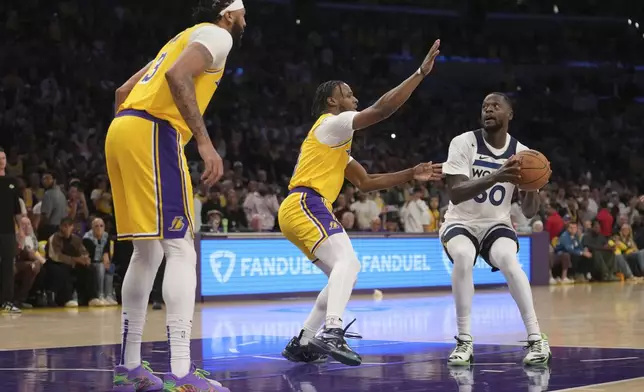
[376,225]
[626,248]
[568,253]
[68,268]
[213,225]
[348,221]
[234,213]
[415,213]
[101,197]
[78,209]
[261,207]
[213,201]
[555,224]
[434,214]
[97,243]
[28,263]
[340,207]
[601,254]
[605,219]
[365,210]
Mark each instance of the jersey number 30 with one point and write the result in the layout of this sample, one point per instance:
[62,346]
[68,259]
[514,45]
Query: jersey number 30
[495,196]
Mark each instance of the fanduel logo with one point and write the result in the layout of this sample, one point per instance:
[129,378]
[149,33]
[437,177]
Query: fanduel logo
[218,261]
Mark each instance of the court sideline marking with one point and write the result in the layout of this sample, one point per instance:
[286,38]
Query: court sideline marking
[593,386]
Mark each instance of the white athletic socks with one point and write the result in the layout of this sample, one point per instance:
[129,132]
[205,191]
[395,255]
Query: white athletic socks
[503,255]
[138,282]
[179,331]
[463,252]
[132,332]
[316,317]
[179,285]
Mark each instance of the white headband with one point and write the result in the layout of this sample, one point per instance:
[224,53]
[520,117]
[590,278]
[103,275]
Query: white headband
[234,6]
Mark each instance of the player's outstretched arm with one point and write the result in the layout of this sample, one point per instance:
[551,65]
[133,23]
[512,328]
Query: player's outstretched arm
[395,98]
[365,182]
[123,91]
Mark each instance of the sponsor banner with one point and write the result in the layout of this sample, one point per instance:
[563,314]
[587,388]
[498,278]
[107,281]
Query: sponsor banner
[272,266]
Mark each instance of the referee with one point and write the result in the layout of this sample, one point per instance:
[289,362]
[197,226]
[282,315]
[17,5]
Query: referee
[10,215]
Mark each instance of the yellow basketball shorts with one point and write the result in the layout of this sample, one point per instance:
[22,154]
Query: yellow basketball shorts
[306,220]
[149,176]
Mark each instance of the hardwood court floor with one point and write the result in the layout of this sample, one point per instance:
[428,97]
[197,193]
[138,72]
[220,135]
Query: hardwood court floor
[597,334]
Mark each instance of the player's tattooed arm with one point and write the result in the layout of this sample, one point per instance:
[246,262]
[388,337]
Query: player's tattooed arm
[194,61]
[123,91]
[530,204]
[460,188]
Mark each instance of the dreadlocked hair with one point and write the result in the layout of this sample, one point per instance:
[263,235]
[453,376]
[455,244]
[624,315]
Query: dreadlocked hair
[322,93]
[208,11]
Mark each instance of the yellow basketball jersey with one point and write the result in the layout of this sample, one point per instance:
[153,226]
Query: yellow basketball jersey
[320,166]
[152,93]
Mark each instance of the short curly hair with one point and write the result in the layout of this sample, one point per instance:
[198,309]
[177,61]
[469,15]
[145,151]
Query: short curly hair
[209,10]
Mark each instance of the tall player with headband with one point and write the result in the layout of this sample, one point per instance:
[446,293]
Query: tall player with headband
[159,110]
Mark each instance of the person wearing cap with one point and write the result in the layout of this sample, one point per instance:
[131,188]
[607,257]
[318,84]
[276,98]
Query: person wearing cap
[159,109]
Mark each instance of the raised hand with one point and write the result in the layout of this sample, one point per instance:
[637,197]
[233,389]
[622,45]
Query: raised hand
[509,172]
[428,171]
[428,63]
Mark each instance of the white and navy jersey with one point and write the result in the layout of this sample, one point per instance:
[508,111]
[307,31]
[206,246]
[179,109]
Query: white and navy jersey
[471,156]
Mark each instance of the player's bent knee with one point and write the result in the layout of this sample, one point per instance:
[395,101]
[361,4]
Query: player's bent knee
[503,254]
[462,253]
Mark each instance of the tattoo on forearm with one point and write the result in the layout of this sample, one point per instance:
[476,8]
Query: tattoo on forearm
[185,98]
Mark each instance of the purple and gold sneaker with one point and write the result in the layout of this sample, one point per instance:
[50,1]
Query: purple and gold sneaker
[196,381]
[140,379]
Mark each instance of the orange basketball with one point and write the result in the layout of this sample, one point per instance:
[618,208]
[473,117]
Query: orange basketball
[535,170]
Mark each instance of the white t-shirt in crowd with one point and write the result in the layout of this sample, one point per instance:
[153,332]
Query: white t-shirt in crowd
[415,215]
[365,212]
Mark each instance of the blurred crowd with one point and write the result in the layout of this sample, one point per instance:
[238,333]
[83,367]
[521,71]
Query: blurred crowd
[577,99]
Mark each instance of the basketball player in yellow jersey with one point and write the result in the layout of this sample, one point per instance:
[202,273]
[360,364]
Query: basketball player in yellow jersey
[305,215]
[159,110]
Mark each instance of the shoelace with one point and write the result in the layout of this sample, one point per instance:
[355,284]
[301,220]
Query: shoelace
[463,346]
[146,366]
[203,374]
[535,346]
[350,335]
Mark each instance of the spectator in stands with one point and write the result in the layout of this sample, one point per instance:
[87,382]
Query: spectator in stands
[68,268]
[54,206]
[28,263]
[234,213]
[569,253]
[605,219]
[376,225]
[261,206]
[626,248]
[555,224]
[588,203]
[415,213]
[97,243]
[340,206]
[200,198]
[102,198]
[519,221]
[348,221]
[34,193]
[365,210]
[584,213]
[78,209]
[213,224]
[213,202]
[434,214]
[601,254]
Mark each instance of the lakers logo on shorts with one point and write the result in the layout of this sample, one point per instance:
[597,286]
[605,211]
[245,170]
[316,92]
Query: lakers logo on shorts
[333,225]
[177,224]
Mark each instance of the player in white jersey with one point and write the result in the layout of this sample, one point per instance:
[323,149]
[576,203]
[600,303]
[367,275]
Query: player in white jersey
[480,175]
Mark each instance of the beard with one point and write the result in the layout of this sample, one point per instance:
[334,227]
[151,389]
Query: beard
[496,126]
[237,32]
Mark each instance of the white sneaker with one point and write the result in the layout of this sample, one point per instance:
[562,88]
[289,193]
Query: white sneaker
[463,354]
[109,301]
[71,304]
[96,302]
[538,352]
[553,281]
[567,281]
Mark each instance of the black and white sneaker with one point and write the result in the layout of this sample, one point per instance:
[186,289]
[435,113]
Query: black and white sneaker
[299,353]
[331,341]
[9,308]
[463,354]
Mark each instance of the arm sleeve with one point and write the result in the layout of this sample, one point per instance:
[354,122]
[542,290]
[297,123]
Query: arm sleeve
[458,160]
[217,40]
[336,130]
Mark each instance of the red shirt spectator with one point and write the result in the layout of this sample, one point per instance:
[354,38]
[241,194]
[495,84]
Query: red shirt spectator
[554,224]
[606,221]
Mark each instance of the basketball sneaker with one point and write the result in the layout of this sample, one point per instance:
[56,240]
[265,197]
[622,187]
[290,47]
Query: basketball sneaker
[331,341]
[538,352]
[297,352]
[140,379]
[196,381]
[463,354]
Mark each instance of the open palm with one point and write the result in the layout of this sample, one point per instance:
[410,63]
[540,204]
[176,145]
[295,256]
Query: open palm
[428,171]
